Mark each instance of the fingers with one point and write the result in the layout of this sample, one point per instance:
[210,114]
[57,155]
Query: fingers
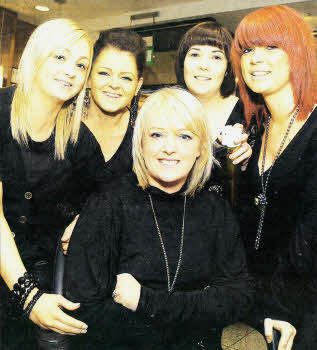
[70,322]
[67,304]
[243,153]
[67,235]
[287,331]
[268,330]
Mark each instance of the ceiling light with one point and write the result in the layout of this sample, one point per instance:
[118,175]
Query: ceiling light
[42,8]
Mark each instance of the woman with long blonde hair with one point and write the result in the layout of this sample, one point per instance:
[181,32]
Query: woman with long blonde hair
[44,150]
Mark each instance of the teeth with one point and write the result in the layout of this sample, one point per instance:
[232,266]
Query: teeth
[112,95]
[202,78]
[256,74]
[168,162]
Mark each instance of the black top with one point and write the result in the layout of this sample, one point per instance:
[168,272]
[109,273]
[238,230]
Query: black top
[222,174]
[116,233]
[41,195]
[284,262]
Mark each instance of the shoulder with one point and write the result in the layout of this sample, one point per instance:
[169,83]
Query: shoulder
[237,114]
[210,204]
[6,96]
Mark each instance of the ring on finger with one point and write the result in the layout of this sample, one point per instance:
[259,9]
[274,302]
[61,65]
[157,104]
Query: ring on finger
[115,293]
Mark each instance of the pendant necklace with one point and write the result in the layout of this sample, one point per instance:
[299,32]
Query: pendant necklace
[260,200]
[169,286]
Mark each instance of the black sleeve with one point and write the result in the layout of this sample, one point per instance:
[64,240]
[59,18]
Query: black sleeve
[224,302]
[303,245]
[92,255]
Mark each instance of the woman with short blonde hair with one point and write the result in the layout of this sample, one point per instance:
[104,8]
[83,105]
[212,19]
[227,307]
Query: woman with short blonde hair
[175,250]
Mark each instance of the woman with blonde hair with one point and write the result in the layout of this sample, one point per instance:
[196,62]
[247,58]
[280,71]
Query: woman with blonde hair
[148,227]
[44,150]
[274,58]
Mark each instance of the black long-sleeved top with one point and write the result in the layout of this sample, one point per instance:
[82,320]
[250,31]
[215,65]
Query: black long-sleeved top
[116,233]
[285,263]
[41,195]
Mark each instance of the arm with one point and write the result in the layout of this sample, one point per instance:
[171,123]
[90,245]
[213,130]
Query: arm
[46,312]
[227,299]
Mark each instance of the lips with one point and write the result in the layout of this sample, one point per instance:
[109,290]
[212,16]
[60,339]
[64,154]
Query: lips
[260,73]
[64,83]
[169,162]
[202,78]
[111,94]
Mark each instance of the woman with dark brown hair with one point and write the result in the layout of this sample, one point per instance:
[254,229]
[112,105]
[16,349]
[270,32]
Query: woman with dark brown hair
[203,67]
[274,60]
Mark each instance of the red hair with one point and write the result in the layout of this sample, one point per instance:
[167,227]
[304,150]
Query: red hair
[285,28]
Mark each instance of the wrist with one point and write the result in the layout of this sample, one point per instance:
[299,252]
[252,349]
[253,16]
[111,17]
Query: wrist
[30,297]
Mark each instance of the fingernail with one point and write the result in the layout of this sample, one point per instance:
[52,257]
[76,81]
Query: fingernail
[85,327]
[83,331]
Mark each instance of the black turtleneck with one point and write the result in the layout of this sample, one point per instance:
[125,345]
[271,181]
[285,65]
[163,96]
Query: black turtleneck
[117,234]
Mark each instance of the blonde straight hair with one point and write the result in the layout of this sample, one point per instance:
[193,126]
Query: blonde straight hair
[43,41]
[173,104]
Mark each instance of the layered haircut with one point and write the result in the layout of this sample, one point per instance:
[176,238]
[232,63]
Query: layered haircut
[284,28]
[172,105]
[43,42]
[123,40]
[211,34]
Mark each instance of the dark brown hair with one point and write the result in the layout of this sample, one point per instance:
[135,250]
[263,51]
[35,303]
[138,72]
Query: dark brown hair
[211,34]
[124,40]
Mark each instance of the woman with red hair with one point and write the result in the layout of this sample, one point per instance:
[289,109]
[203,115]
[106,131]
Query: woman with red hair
[273,57]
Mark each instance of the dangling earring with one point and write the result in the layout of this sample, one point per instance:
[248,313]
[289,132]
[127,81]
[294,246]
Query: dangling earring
[134,109]
[86,103]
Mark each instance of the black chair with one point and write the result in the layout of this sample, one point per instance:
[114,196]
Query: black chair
[49,340]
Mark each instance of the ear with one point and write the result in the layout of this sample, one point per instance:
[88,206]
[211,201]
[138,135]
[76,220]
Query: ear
[140,82]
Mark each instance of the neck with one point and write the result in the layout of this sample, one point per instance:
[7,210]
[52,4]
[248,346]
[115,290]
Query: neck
[112,120]
[280,104]
[209,102]
[168,187]
[43,116]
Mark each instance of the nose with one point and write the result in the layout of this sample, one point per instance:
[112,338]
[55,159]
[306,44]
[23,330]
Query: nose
[169,146]
[204,63]
[70,69]
[257,55]
[114,82]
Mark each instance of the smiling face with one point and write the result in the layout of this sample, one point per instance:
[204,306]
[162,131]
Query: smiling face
[204,70]
[266,70]
[114,80]
[63,73]
[169,152]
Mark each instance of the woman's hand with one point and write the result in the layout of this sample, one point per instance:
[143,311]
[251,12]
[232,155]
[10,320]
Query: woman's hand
[47,314]
[244,152]
[287,331]
[127,291]
[67,234]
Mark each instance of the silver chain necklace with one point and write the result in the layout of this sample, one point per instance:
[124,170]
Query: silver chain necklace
[169,286]
[261,200]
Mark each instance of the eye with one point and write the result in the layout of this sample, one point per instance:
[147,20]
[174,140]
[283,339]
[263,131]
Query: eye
[103,73]
[60,58]
[127,78]
[246,50]
[217,57]
[81,66]
[194,54]
[156,135]
[185,137]
[271,47]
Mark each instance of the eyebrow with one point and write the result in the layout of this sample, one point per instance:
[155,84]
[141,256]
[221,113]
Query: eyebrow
[213,51]
[181,129]
[104,67]
[68,51]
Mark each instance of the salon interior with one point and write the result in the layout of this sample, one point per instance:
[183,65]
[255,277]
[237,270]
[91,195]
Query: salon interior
[162,23]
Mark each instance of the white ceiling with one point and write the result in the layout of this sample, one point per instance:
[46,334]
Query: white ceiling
[96,15]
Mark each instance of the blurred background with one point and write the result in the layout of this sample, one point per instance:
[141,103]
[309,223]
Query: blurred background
[161,22]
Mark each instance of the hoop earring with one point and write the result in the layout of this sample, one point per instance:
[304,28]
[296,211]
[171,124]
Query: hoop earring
[86,103]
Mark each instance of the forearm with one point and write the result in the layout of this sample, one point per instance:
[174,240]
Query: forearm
[11,265]
[218,305]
